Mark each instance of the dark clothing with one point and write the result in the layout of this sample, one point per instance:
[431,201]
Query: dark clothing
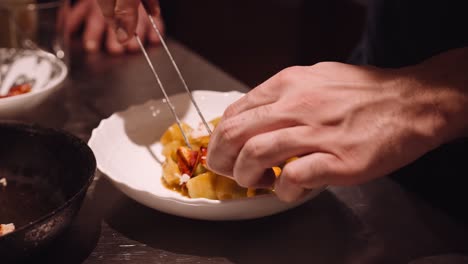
[406,32]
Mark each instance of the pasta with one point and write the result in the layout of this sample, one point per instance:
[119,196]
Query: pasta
[185,171]
[5,228]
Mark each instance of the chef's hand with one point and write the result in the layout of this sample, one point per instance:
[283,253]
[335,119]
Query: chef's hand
[347,124]
[128,14]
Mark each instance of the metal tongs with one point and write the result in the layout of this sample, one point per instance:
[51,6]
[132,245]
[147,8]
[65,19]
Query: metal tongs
[148,6]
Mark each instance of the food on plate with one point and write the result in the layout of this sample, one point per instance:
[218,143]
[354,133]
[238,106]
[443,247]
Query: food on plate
[6,228]
[17,90]
[185,171]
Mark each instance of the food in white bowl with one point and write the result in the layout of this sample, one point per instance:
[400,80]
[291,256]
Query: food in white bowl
[27,78]
[129,152]
[185,170]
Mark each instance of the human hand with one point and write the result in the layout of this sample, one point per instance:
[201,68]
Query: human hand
[96,30]
[347,124]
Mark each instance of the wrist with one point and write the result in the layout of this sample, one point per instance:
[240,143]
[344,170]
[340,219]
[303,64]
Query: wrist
[438,89]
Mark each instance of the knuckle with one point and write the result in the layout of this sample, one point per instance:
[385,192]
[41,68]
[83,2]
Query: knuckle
[219,165]
[253,149]
[326,65]
[263,112]
[228,130]
[306,104]
[289,74]
[288,191]
[280,142]
[231,110]
[245,182]
[293,175]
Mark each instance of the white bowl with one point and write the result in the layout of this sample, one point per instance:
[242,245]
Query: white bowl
[127,150]
[48,72]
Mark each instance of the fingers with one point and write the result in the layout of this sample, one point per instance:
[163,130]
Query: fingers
[107,8]
[122,16]
[94,31]
[287,191]
[271,149]
[142,28]
[250,115]
[78,14]
[112,44]
[231,134]
[126,17]
[145,30]
[265,93]
[312,171]
[151,34]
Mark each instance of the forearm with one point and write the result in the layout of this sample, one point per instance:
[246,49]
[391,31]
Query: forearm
[442,83]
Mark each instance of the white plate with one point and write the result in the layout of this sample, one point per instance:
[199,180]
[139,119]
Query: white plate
[128,151]
[47,71]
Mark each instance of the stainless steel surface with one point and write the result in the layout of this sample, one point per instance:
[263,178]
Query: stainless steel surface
[377,222]
[182,80]
[158,80]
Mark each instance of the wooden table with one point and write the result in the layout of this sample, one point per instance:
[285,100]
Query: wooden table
[376,222]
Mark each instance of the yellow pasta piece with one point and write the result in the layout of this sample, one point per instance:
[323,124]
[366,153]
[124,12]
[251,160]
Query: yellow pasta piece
[215,121]
[277,171]
[228,189]
[203,186]
[171,173]
[170,149]
[199,142]
[251,192]
[202,183]
[173,133]
[291,159]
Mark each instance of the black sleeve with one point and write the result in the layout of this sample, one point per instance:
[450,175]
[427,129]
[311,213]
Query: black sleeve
[402,32]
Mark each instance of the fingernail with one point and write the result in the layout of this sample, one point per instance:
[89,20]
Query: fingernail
[122,35]
[91,45]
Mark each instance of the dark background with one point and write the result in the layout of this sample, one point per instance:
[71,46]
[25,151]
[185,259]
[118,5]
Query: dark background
[254,39]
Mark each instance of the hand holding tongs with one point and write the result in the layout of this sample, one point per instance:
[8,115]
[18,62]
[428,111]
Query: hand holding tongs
[149,6]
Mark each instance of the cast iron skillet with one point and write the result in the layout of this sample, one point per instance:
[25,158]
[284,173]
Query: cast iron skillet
[48,172]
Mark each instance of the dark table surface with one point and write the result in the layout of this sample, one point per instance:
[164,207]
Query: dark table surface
[377,222]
